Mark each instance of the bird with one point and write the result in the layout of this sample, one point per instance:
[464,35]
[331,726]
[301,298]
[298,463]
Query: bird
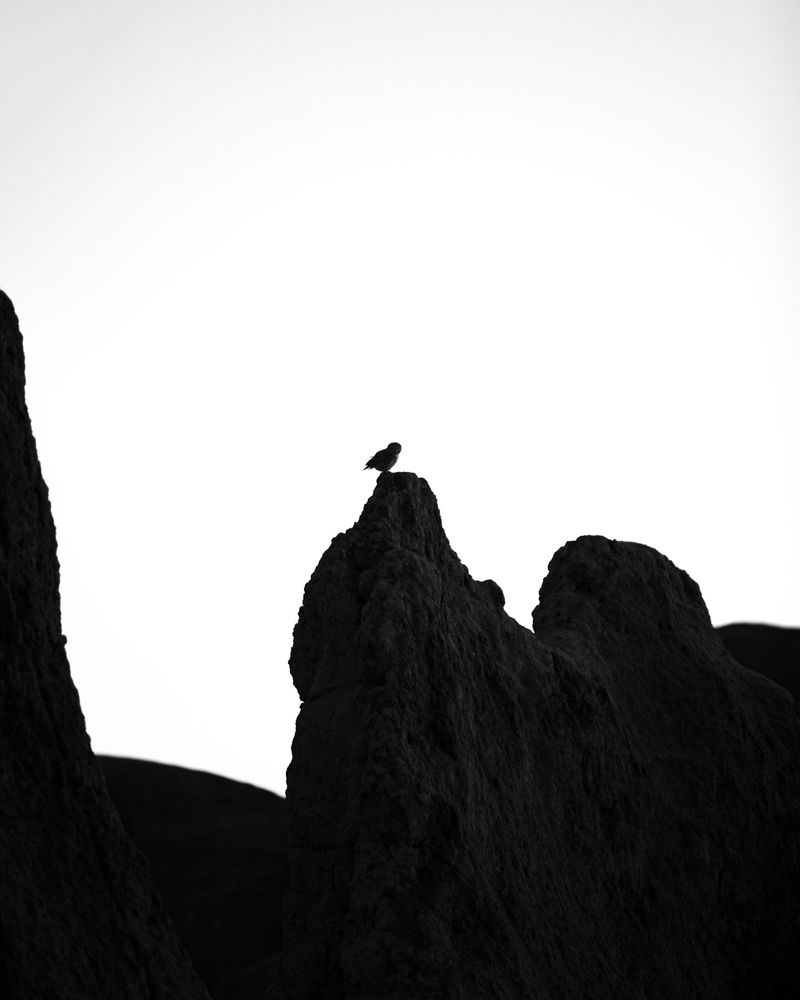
[385,459]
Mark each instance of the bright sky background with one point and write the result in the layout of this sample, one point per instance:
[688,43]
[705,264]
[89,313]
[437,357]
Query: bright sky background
[552,248]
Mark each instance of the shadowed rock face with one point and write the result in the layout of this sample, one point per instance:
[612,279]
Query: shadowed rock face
[217,853]
[608,809]
[79,918]
[769,649]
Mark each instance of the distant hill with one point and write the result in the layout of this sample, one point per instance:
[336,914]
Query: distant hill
[217,853]
[769,649]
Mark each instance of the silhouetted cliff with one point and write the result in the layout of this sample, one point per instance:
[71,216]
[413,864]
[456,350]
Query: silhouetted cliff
[79,918]
[607,809]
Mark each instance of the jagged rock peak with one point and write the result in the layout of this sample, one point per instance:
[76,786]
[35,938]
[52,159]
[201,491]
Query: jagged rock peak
[79,917]
[606,809]
[399,537]
[402,513]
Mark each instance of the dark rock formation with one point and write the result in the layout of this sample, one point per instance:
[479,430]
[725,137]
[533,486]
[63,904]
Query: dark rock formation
[607,809]
[769,649]
[217,853]
[79,918]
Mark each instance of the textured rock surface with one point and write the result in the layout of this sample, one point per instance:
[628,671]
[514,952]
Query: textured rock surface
[608,809]
[769,649]
[79,918]
[217,853]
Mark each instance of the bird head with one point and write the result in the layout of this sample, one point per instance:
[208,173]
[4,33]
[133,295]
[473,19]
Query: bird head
[394,448]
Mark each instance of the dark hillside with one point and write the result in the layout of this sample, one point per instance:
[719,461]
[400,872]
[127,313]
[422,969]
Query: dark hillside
[217,853]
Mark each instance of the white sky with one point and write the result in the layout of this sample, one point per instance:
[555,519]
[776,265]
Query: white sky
[552,248]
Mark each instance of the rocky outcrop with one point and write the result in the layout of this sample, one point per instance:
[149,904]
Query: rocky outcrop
[769,649]
[217,854]
[79,917]
[608,808]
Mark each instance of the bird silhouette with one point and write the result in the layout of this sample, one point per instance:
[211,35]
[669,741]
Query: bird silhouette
[385,459]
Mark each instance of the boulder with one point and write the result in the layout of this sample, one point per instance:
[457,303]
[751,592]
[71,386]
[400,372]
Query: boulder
[607,808]
[79,916]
